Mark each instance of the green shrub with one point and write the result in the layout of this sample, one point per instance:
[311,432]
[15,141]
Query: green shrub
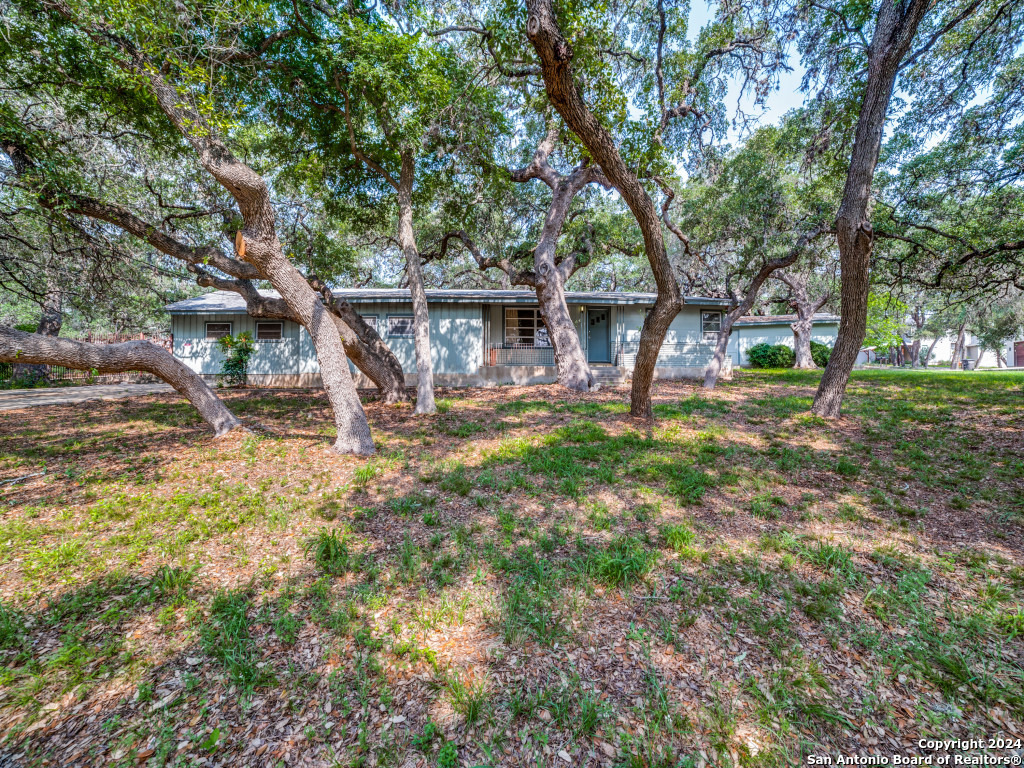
[237,351]
[820,353]
[768,356]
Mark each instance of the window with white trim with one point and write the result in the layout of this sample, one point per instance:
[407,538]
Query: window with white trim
[371,320]
[400,325]
[710,325]
[524,327]
[269,331]
[215,330]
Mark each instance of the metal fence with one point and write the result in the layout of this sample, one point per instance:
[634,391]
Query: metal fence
[520,354]
[60,375]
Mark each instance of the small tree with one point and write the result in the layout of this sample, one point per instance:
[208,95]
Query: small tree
[237,351]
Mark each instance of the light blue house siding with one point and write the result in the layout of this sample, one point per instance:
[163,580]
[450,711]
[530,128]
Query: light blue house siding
[477,337]
[751,331]
[292,354]
[456,333]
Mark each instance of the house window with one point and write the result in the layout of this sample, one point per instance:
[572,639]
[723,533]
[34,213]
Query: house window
[216,330]
[524,327]
[268,332]
[710,325]
[400,325]
[371,320]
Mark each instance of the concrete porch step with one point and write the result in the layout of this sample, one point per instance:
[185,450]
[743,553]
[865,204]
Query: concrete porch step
[607,374]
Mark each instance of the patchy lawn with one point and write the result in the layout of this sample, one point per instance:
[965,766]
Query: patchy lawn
[527,578]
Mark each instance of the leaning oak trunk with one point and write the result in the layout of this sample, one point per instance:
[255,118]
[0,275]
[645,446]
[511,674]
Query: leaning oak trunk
[928,354]
[18,346]
[362,344]
[556,55]
[767,269]
[367,350]
[570,362]
[414,270]
[895,28]
[349,418]
[915,353]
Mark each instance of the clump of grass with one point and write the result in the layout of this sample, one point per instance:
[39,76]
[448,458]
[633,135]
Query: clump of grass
[766,506]
[469,697]
[680,537]
[444,405]
[1011,624]
[830,557]
[171,583]
[13,631]
[329,550]
[528,611]
[847,468]
[225,638]
[450,476]
[623,561]
[412,504]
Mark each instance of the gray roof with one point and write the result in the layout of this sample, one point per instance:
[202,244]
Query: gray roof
[229,302]
[819,317]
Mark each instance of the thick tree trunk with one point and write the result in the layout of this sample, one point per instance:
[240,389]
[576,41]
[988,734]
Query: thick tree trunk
[264,256]
[349,418]
[414,271]
[555,55]
[895,27]
[802,343]
[363,344]
[368,352]
[17,346]
[915,353]
[50,322]
[571,364]
[805,309]
[263,251]
[549,277]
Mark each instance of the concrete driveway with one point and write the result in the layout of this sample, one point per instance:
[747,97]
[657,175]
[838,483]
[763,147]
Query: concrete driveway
[12,399]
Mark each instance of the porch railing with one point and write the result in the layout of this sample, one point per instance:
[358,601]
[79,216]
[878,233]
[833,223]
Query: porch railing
[519,354]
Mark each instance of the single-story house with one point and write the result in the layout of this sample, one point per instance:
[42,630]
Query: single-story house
[478,337]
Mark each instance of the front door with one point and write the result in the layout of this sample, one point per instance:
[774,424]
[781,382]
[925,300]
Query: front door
[1018,354]
[598,348]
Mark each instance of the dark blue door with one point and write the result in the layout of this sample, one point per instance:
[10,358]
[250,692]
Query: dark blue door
[597,336]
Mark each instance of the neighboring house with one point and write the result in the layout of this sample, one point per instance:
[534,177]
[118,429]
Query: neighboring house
[751,330]
[477,337]
[942,352]
[1015,353]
